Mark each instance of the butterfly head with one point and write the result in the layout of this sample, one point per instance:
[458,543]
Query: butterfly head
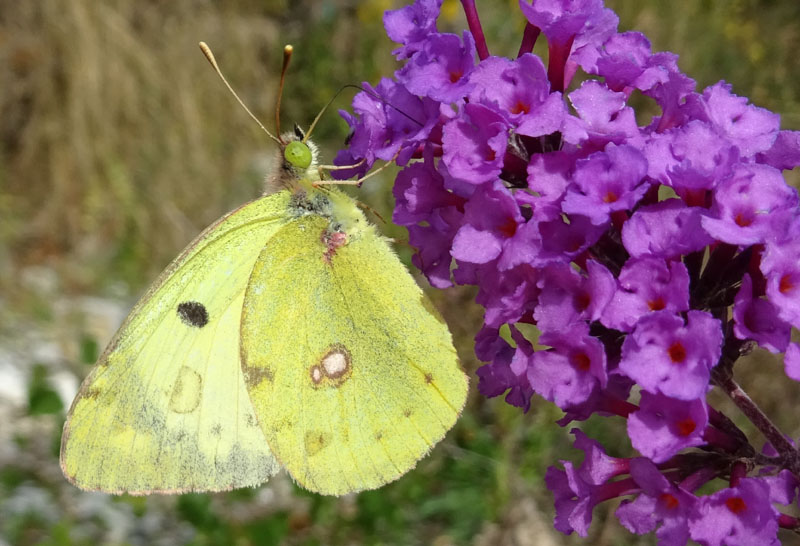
[299,153]
[297,162]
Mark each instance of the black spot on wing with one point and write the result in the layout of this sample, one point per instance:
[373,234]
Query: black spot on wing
[193,313]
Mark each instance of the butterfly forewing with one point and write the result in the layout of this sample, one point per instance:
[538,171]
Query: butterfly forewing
[166,409]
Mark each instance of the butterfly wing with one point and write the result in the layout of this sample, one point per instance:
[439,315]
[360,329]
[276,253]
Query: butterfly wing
[165,409]
[351,371]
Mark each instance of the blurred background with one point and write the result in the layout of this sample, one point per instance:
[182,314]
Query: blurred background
[118,144]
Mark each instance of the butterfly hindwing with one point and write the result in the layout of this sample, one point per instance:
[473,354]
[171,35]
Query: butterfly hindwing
[165,409]
[352,373]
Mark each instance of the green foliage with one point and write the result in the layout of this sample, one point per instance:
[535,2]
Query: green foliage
[42,399]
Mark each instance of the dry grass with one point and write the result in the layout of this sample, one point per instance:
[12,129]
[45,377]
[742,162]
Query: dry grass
[117,142]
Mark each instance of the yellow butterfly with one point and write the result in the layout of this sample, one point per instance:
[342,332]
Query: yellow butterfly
[287,334]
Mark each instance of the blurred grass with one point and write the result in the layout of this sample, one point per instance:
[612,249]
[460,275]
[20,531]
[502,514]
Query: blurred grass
[118,144]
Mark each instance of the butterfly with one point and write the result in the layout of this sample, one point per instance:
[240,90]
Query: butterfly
[286,335]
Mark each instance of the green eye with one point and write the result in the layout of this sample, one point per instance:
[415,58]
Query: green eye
[298,154]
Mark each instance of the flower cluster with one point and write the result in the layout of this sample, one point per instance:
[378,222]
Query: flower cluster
[649,257]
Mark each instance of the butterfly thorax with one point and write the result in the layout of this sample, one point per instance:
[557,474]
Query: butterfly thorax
[345,221]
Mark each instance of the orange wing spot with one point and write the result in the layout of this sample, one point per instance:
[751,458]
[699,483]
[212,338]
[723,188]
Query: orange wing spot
[333,369]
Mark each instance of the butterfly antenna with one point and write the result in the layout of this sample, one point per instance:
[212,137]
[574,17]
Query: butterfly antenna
[368,92]
[319,115]
[384,101]
[211,59]
[287,56]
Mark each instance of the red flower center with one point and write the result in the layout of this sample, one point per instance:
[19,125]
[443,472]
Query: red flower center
[669,501]
[582,301]
[520,107]
[508,228]
[686,426]
[610,197]
[736,505]
[677,352]
[786,284]
[743,219]
[581,361]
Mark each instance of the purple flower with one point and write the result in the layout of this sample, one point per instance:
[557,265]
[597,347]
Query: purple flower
[781,268]
[666,356]
[508,296]
[737,515]
[746,204]
[752,129]
[411,25]
[757,319]
[440,69]
[494,230]
[475,144]
[606,182]
[567,298]
[578,490]
[646,285]
[665,230]
[785,151]
[690,157]
[660,502]
[603,117]
[520,90]
[663,426]
[380,131]
[549,176]
[507,372]
[568,373]
[782,487]
[791,361]
[562,237]
[421,197]
[562,20]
